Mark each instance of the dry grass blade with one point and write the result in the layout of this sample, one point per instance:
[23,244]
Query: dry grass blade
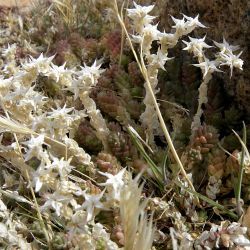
[134,132]
[65,7]
[244,153]
[145,233]
[158,174]
[14,127]
[209,201]
[138,231]
[15,196]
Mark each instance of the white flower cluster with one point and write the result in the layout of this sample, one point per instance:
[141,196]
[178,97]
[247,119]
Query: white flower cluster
[146,34]
[45,145]
[224,57]
[227,57]
[9,52]
[18,94]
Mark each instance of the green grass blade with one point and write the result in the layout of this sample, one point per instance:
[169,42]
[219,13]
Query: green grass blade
[209,201]
[241,173]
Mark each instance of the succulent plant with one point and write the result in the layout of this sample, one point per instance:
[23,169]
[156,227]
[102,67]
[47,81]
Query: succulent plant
[86,137]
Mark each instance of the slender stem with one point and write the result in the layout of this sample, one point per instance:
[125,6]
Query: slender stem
[127,35]
[144,72]
[239,183]
[122,38]
[167,135]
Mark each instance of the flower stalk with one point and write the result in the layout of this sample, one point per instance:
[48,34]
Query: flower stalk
[144,72]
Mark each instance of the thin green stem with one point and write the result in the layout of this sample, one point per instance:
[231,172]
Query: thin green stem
[209,201]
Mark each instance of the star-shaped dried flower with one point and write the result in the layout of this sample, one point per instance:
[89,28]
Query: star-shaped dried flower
[92,72]
[196,46]
[140,16]
[91,202]
[225,46]
[56,201]
[60,73]
[227,57]
[151,31]
[41,64]
[208,67]
[61,166]
[186,24]
[159,59]
[139,11]
[115,181]
[180,24]
[194,22]
[60,112]
[167,39]
[43,176]
[35,148]
[231,60]
[10,51]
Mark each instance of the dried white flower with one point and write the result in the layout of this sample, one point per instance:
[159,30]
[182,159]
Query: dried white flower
[44,177]
[231,60]
[9,52]
[158,60]
[227,57]
[61,74]
[91,202]
[116,182]
[56,201]
[62,167]
[208,66]
[35,148]
[226,47]
[140,16]
[90,74]
[60,113]
[194,22]
[139,11]
[60,121]
[167,40]
[40,64]
[186,25]
[196,46]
